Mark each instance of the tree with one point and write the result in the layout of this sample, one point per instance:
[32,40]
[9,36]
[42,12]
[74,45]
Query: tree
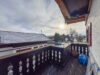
[72,35]
[75,36]
[62,37]
[56,37]
[80,38]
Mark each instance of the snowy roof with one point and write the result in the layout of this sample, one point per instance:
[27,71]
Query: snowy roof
[17,37]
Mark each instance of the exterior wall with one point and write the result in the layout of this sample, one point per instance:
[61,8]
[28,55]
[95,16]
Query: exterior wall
[94,18]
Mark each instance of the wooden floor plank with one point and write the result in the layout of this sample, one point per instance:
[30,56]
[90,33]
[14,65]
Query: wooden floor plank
[72,67]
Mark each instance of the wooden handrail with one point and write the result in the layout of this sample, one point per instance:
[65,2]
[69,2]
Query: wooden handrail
[80,48]
[21,44]
[29,61]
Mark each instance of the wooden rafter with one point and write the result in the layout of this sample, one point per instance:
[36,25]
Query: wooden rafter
[67,16]
[63,9]
[74,20]
[89,8]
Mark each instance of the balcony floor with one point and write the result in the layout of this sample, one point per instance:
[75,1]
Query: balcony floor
[71,67]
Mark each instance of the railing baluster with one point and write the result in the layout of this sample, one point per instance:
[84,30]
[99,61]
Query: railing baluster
[52,54]
[82,51]
[45,55]
[55,55]
[48,54]
[28,62]
[86,51]
[42,56]
[20,67]
[59,56]
[10,70]
[33,62]
[79,48]
[38,59]
[27,65]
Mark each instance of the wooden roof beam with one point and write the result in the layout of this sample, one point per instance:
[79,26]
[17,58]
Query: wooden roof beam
[62,8]
[89,8]
[74,20]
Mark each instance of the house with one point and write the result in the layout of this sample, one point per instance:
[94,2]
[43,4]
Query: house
[88,11]
[30,62]
[12,42]
[18,37]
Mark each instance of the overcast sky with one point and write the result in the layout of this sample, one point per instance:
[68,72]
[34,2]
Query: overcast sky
[34,16]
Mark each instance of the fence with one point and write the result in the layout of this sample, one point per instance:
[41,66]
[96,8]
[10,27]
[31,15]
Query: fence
[26,63]
[80,48]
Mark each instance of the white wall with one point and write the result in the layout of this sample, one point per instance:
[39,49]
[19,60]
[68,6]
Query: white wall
[94,18]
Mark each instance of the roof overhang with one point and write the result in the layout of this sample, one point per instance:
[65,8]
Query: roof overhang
[74,10]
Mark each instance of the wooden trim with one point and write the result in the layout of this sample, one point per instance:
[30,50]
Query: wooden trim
[89,6]
[89,35]
[21,44]
[67,16]
[23,50]
[63,8]
[19,53]
[86,19]
[74,20]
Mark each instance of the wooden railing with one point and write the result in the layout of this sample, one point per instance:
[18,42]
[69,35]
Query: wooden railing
[27,63]
[80,48]
[22,44]
[6,49]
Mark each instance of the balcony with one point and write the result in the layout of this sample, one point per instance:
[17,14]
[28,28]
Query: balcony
[48,60]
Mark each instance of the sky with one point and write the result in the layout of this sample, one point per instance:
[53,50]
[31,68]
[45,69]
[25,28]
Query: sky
[35,16]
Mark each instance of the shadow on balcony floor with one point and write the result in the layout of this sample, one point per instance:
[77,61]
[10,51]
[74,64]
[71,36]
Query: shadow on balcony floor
[71,67]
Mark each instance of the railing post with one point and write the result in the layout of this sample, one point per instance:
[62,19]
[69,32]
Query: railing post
[79,48]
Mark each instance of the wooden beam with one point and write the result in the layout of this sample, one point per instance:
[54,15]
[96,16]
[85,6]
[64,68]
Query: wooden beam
[63,8]
[89,6]
[86,18]
[74,20]
[66,14]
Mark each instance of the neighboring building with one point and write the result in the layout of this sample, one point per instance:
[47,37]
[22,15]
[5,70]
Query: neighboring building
[19,37]
[12,42]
